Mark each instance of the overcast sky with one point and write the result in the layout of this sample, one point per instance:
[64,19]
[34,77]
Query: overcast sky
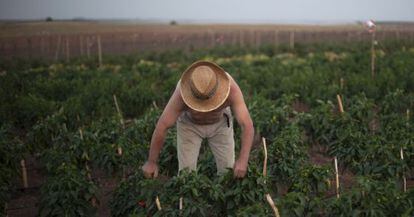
[213,10]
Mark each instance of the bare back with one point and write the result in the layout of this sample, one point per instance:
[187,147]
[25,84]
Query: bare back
[176,106]
[203,118]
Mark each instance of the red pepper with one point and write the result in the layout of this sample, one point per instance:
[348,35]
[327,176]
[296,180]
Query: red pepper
[141,203]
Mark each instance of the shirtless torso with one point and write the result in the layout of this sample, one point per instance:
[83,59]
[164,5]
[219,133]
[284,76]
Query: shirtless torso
[204,118]
[174,109]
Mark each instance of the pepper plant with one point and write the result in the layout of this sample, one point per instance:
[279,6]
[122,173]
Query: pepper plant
[372,198]
[135,196]
[68,192]
[287,154]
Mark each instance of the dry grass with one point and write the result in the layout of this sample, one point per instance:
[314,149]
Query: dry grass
[13,29]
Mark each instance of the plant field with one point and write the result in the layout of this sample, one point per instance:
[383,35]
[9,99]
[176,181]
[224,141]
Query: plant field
[86,126]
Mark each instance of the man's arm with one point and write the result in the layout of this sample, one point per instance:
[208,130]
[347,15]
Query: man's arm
[243,118]
[167,119]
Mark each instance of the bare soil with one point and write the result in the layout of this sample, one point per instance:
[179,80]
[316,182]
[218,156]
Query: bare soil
[65,40]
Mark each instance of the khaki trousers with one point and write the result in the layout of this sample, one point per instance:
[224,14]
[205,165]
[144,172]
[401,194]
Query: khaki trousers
[220,139]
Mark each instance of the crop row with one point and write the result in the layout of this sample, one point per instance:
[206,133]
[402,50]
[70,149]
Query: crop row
[66,115]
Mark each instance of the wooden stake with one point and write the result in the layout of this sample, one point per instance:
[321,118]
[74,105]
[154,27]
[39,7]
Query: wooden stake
[67,50]
[121,119]
[265,157]
[88,170]
[234,38]
[373,54]
[272,204]
[257,36]
[81,45]
[341,81]
[119,150]
[81,134]
[402,154]
[404,178]
[158,203]
[180,205]
[99,51]
[292,40]
[336,177]
[157,199]
[29,44]
[268,197]
[24,173]
[155,104]
[341,108]
[57,48]
[88,45]
[348,37]
[48,43]
[213,39]
[42,46]
[276,38]
[241,42]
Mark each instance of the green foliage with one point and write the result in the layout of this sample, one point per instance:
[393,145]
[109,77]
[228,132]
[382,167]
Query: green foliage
[241,193]
[299,204]
[258,209]
[11,151]
[168,161]
[199,194]
[45,105]
[67,193]
[46,131]
[103,141]
[312,180]
[135,196]
[140,131]
[270,117]
[372,198]
[287,154]
[376,137]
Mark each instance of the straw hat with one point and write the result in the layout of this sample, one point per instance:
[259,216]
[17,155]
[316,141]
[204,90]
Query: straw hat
[204,86]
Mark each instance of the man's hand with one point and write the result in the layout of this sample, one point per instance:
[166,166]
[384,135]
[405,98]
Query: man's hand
[150,169]
[240,168]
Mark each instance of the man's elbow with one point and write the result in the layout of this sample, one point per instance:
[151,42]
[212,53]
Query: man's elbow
[248,125]
[162,125]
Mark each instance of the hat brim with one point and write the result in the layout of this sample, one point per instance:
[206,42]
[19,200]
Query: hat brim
[213,102]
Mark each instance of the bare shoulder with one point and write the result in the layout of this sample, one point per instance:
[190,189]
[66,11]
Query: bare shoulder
[176,101]
[173,109]
[235,94]
[237,103]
